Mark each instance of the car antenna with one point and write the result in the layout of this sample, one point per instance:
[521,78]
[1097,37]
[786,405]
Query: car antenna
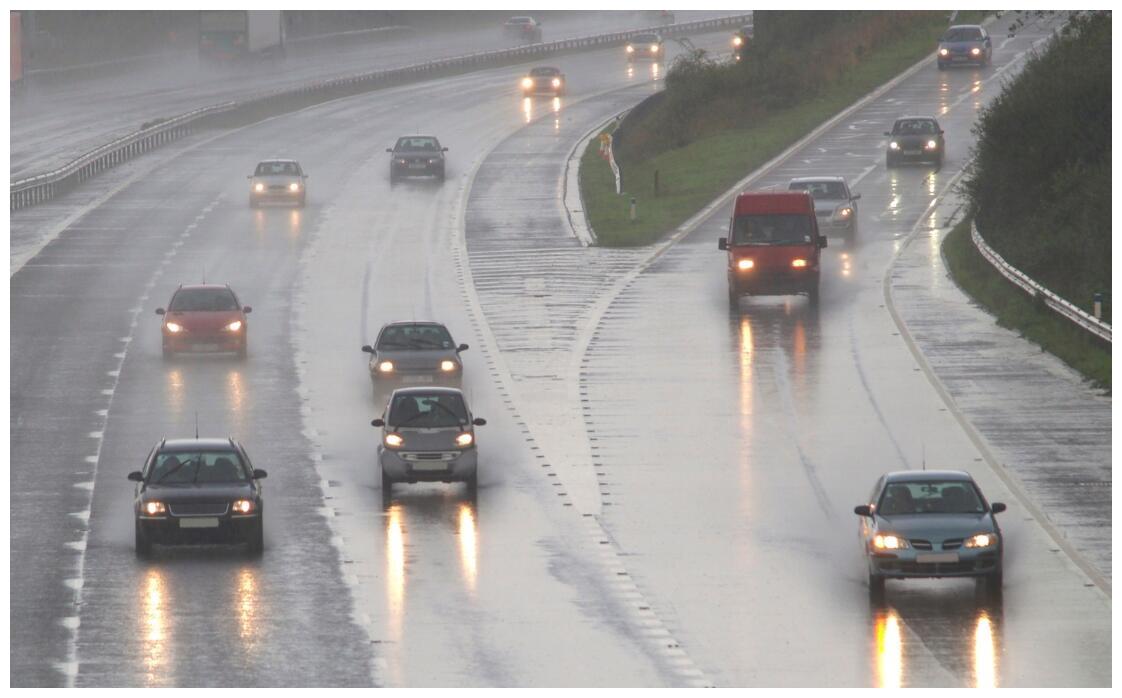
[204,273]
[923,455]
[196,425]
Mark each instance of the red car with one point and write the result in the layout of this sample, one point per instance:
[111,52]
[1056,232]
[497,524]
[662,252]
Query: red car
[206,317]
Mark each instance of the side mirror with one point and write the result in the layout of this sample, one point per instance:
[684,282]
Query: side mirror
[304,176]
[249,176]
[462,347]
[136,476]
[379,422]
[722,243]
[389,150]
[856,197]
[258,474]
[444,149]
[863,510]
[160,311]
[997,508]
[822,241]
[479,421]
[941,132]
[247,309]
[368,349]
[888,133]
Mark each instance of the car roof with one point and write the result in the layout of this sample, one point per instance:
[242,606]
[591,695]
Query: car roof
[426,390]
[205,444]
[275,160]
[639,37]
[417,135]
[927,475]
[823,178]
[545,67]
[413,323]
[963,26]
[202,287]
[916,117]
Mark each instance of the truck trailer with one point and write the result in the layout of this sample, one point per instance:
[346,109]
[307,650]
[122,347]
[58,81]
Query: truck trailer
[233,35]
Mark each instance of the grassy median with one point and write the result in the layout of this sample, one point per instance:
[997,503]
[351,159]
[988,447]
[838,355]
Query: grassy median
[692,176]
[1015,310]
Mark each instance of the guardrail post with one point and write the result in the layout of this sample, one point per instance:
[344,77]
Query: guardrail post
[1098,298]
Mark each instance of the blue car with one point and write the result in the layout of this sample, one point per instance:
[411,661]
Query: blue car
[930,523]
[964,44]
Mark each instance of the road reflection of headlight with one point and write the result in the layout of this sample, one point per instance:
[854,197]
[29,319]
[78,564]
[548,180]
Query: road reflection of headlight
[889,651]
[556,104]
[985,653]
[153,650]
[469,545]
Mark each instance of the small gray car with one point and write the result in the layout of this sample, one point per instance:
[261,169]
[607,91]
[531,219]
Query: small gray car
[277,180]
[427,436]
[414,353]
[835,206]
[930,523]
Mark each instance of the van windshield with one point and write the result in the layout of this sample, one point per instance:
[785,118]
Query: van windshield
[772,229]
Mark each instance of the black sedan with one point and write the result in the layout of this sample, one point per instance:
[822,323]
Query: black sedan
[198,491]
[416,156]
[930,523]
[915,138]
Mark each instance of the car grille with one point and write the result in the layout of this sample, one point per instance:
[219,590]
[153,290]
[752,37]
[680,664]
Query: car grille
[952,544]
[278,187]
[428,456]
[937,568]
[199,508]
[920,544]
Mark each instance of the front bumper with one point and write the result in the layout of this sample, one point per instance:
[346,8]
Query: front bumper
[840,225]
[230,528]
[962,59]
[966,562]
[424,169]
[773,282]
[428,466]
[915,155]
[202,343]
[274,194]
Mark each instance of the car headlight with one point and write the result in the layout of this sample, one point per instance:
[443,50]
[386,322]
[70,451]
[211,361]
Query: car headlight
[931,145]
[630,48]
[745,264]
[393,441]
[654,48]
[173,327]
[975,51]
[889,541]
[798,263]
[845,212]
[154,508]
[981,540]
[294,186]
[433,161]
[259,187]
[401,161]
[894,145]
[447,365]
[943,52]
[234,326]
[243,506]
[737,41]
[386,367]
[465,439]
[527,83]
[556,82]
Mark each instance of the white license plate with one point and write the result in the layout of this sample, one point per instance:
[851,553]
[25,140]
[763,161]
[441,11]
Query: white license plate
[936,557]
[421,379]
[430,466]
[200,522]
[416,165]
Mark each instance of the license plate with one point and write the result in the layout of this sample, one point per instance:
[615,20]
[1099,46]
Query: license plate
[205,347]
[416,165]
[911,152]
[420,379]
[430,466]
[937,557]
[200,522]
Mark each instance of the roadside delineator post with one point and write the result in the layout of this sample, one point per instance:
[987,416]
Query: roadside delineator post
[1098,298]
[633,209]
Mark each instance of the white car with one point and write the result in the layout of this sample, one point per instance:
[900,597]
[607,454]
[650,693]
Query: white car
[277,180]
[835,206]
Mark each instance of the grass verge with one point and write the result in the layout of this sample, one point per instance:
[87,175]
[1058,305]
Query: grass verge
[691,177]
[1017,311]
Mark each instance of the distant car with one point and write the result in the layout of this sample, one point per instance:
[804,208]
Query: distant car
[915,138]
[741,40]
[660,16]
[277,180]
[835,207]
[411,353]
[543,80]
[930,523]
[427,436]
[205,318]
[644,47]
[198,491]
[417,156]
[964,44]
[523,28]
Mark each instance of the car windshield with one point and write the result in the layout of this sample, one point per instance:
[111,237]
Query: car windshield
[930,497]
[918,127]
[544,72]
[962,34]
[277,168]
[519,20]
[428,411]
[414,337]
[771,229]
[820,190]
[417,143]
[203,299]
[645,39]
[198,467]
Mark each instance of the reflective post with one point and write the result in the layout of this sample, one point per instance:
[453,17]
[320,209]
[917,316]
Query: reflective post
[1098,298]
[633,209]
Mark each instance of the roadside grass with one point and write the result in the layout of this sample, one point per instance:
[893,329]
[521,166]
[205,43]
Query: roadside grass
[1016,311]
[692,176]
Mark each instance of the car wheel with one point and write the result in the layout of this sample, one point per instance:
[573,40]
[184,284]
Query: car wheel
[387,489]
[812,293]
[168,353]
[940,65]
[993,582]
[876,587]
[255,541]
[440,175]
[393,178]
[143,543]
[889,161]
[243,350]
[472,486]
[302,201]
[734,300]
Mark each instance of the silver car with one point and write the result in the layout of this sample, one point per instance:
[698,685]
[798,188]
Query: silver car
[835,206]
[427,436]
[930,523]
[277,180]
[414,353]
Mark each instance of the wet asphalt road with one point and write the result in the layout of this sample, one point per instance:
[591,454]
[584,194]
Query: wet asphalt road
[680,526]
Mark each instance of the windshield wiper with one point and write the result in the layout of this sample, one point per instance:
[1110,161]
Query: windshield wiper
[175,469]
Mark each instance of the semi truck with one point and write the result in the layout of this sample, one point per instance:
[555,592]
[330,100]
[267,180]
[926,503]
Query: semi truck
[233,35]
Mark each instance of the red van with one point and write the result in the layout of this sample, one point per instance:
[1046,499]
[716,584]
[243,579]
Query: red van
[773,246]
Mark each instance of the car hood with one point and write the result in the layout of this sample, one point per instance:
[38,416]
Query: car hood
[203,320]
[198,492]
[442,439]
[428,359]
[936,526]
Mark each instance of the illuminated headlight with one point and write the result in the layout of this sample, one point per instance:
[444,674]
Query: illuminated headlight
[294,186]
[259,187]
[402,161]
[845,212]
[433,161]
[944,52]
[234,326]
[654,48]
[242,506]
[465,439]
[737,41]
[393,441]
[155,508]
[798,263]
[556,82]
[889,541]
[931,145]
[386,367]
[745,264]
[447,365]
[173,327]
[975,51]
[981,540]
[630,48]
[527,83]
[894,145]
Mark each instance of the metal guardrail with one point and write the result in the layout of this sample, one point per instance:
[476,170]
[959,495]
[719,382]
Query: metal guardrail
[1064,307]
[33,190]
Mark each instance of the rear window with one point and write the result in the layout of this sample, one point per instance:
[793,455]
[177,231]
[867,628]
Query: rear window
[198,467]
[772,229]
[203,299]
[428,411]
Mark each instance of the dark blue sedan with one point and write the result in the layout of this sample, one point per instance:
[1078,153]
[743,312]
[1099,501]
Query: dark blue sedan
[964,44]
